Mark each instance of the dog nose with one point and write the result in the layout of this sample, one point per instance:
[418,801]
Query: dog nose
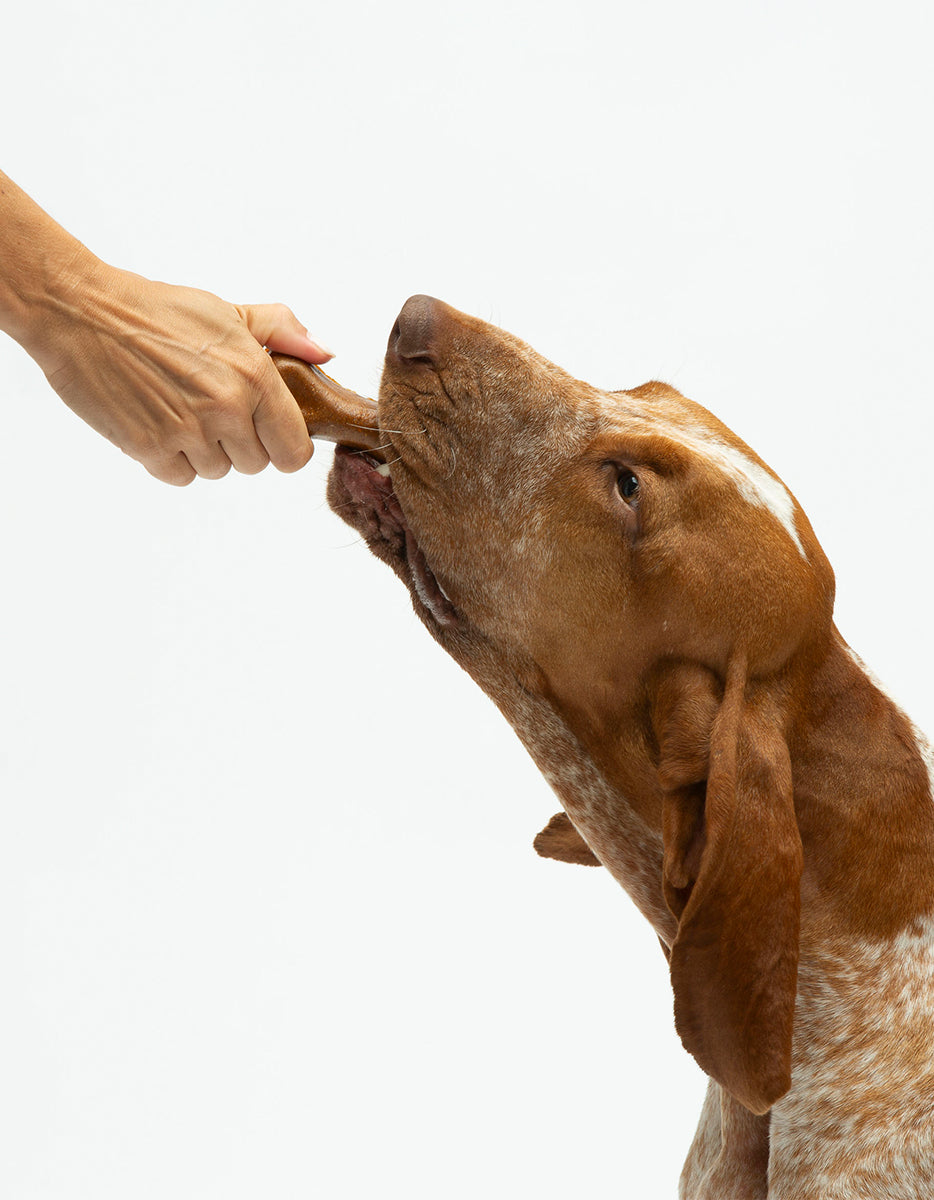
[414,336]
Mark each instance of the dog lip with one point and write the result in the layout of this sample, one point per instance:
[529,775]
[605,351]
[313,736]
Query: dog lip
[370,487]
[372,490]
[429,591]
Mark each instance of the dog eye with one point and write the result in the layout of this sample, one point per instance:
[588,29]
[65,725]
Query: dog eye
[628,484]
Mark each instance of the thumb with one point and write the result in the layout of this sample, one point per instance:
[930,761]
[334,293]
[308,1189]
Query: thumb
[277,327]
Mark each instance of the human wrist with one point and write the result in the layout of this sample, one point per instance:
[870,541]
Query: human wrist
[45,273]
[64,288]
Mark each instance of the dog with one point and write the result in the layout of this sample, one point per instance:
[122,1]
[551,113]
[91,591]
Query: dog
[648,606]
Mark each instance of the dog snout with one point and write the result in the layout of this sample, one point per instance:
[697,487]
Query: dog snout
[418,334]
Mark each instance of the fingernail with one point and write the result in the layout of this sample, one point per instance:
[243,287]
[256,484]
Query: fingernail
[320,346]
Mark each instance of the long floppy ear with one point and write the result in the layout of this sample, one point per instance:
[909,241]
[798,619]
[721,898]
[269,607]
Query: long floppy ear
[732,874]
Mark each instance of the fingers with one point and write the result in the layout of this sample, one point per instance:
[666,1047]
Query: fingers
[279,424]
[176,470]
[278,328]
[251,422]
[209,460]
[245,451]
[277,420]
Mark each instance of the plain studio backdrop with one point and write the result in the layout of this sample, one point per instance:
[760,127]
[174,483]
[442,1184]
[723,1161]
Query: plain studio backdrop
[271,921]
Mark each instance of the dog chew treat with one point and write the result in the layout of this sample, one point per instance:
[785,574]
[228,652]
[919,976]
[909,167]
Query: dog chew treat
[332,413]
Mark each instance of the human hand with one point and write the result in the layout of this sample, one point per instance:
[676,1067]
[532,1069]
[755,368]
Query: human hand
[176,377]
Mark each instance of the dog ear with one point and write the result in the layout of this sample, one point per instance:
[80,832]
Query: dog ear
[559,839]
[731,876]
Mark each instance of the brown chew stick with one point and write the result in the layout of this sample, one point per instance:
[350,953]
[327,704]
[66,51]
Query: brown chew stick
[332,413]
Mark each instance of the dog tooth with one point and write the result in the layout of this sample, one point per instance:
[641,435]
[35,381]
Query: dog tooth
[383,469]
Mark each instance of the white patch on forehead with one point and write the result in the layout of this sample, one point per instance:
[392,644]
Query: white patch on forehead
[755,484]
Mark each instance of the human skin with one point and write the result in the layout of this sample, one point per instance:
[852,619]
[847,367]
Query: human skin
[174,376]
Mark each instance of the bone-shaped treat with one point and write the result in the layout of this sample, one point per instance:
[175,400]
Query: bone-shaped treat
[332,413]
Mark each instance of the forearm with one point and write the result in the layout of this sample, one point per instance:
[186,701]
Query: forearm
[42,266]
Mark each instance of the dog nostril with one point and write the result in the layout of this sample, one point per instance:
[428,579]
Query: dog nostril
[414,336]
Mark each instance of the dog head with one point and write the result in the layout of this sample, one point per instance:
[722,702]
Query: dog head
[628,560]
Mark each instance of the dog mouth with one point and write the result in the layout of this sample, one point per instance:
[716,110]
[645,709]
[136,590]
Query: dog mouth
[360,487]
[361,491]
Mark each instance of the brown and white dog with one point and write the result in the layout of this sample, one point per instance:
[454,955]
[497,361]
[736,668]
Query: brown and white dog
[650,609]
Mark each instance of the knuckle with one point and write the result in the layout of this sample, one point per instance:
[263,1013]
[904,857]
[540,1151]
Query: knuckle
[253,465]
[293,457]
[257,369]
[283,313]
[176,471]
[215,470]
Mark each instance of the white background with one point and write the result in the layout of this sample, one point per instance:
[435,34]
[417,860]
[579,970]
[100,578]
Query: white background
[271,921]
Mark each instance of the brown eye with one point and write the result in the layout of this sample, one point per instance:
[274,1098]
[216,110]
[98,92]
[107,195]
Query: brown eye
[628,485]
